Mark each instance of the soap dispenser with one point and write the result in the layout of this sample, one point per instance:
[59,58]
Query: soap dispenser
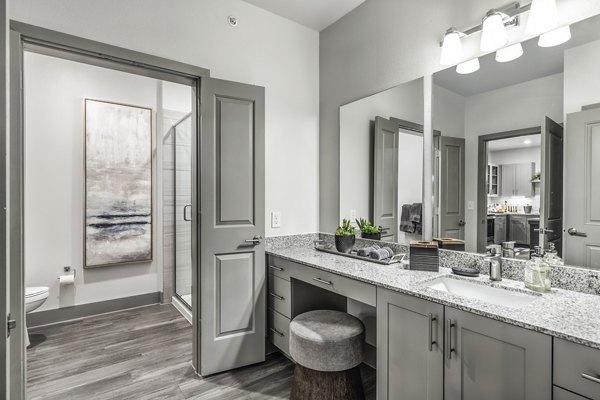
[552,257]
[537,272]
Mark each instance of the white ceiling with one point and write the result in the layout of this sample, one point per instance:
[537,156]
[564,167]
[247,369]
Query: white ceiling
[315,14]
[515,143]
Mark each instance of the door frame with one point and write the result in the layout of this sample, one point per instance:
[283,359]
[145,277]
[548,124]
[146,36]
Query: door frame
[24,36]
[481,177]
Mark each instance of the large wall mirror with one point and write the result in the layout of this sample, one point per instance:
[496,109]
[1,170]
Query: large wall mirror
[381,161]
[516,153]
[532,159]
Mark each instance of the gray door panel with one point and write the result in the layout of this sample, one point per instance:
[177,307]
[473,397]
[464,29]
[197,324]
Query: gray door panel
[551,200]
[232,270]
[495,361]
[409,366]
[385,178]
[452,192]
[582,189]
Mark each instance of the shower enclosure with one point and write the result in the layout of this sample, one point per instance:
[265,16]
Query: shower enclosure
[182,193]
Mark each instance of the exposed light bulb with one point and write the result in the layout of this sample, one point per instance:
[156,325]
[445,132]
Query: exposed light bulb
[543,16]
[452,51]
[468,67]
[509,53]
[526,141]
[494,34]
[556,37]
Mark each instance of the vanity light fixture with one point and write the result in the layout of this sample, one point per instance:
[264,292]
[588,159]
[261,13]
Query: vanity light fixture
[543,17]
[527,141]
[493,35]
[556,37]
[509,53]
[452,51]
[468,67]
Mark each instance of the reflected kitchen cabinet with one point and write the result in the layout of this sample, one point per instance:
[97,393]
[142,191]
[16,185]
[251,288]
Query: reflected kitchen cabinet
[516,179]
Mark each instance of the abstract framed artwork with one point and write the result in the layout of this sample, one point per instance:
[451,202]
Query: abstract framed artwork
[118,184]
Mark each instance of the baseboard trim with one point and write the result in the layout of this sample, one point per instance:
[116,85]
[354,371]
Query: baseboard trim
[57,315]
[183,310]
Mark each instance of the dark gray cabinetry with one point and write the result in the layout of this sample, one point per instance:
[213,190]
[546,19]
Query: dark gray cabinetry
[517,230]
[500,229]
[409,347]
[488,359]
[577,369]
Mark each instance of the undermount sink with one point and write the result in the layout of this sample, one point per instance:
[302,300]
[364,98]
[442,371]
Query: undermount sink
[489,294]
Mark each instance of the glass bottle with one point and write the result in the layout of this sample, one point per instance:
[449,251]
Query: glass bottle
[537,272]
[551,256]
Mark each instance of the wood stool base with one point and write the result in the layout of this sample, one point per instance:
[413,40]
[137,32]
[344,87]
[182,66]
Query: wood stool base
[309,384]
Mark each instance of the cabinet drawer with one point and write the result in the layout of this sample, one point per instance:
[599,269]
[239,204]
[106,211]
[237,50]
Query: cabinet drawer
[562,394]
[577,368]
[279,267]
[357,290]
[279,331]
[279,295]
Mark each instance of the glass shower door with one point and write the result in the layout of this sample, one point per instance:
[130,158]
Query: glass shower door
[183,209]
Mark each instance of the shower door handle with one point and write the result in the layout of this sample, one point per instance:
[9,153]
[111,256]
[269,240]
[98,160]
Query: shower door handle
[185,208]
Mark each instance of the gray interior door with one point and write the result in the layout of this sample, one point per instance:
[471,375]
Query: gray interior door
[582,189]
[4,272]
[452,187]
[551,192]
[232,253]
[385,178]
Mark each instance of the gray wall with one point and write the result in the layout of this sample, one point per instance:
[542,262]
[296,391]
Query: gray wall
[381,44]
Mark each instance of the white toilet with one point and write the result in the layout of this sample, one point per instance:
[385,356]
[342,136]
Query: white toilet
[34,297]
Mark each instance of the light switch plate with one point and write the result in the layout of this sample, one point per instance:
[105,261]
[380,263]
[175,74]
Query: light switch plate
[470,205]
[352,215]
[275,219]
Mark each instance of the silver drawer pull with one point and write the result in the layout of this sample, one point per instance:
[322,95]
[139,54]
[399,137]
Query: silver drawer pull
[590,378]
[431,342]
[278,297]
[276,268]
[275,331]
[322,281]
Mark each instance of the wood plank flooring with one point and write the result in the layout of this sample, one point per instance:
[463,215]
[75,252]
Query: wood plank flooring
[143,353]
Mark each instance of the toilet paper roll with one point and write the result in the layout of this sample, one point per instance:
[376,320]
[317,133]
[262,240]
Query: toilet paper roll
[67,279]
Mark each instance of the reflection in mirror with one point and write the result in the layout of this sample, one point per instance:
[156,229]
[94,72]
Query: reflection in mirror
[381,161]
[532,159]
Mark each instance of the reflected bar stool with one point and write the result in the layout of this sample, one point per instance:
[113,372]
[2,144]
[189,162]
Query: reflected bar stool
[327,347]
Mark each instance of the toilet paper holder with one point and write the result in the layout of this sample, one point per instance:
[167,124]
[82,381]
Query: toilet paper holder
[68,269]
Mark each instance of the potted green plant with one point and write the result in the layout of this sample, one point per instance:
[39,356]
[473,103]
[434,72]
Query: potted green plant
[367,230]
[345,237]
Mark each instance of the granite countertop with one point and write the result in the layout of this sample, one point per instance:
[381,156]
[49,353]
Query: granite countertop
[561,313]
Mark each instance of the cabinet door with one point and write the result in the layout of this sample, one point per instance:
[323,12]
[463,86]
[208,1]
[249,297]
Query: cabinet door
[491,360]
[500,229]
[508,180]
[523,174]
[518,229]
[409,348]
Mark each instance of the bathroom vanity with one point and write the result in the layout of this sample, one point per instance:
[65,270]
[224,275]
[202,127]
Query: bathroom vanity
[444,337]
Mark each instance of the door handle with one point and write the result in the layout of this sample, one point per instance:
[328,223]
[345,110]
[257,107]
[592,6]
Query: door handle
[449,348]
[430,340]
[185,218]
[256,240]
[590,378]
[461,223]
[573,232]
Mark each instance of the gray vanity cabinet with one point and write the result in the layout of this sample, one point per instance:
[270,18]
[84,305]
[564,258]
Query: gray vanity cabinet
[500,229]
[409,347]
[488,359]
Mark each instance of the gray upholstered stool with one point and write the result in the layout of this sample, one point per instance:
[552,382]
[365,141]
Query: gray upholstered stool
[327,347]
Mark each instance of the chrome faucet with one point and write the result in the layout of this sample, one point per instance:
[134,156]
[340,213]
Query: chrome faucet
[494,262]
